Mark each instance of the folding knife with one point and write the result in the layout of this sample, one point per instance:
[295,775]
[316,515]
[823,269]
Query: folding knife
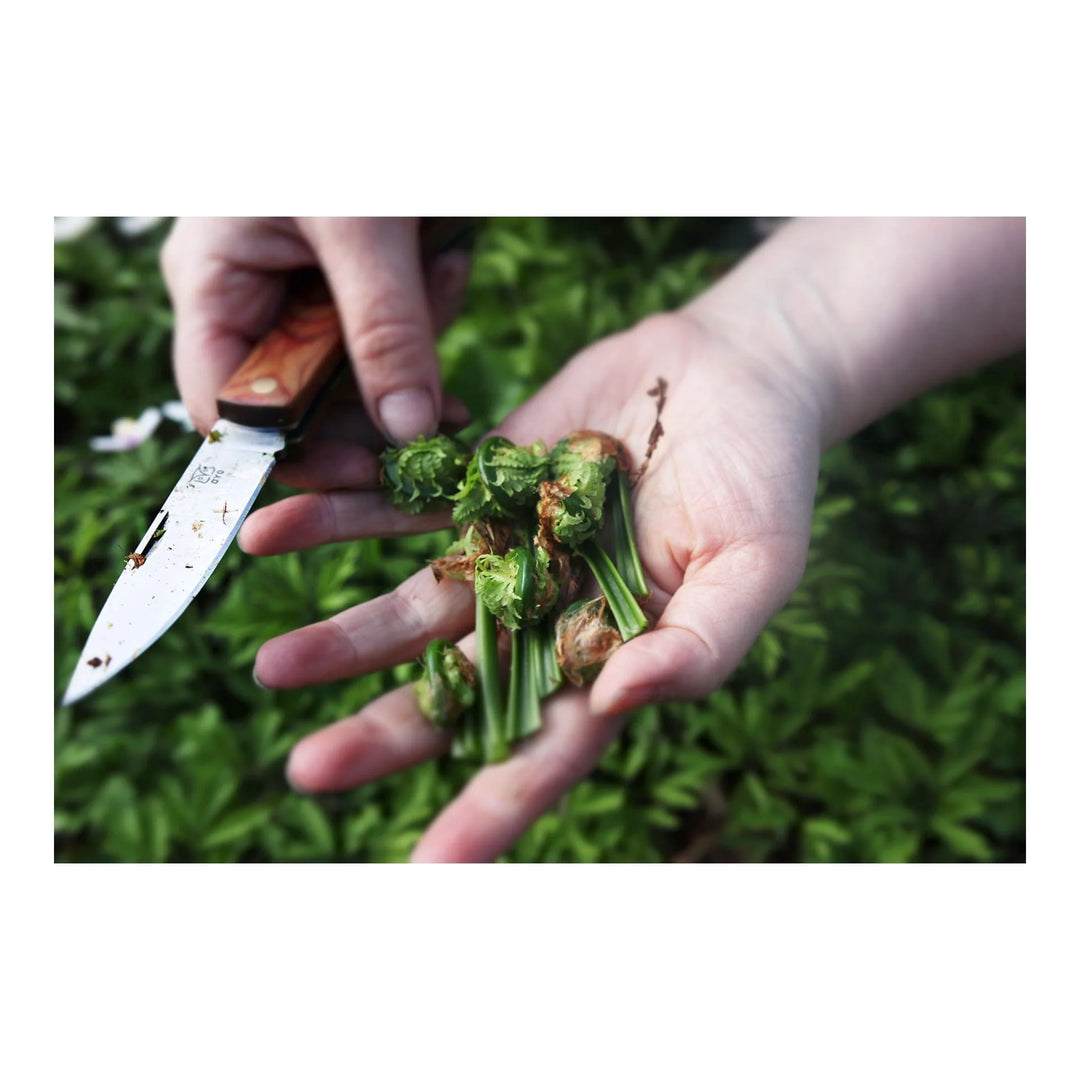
[268,404]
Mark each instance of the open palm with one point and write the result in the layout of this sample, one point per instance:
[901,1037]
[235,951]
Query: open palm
[722,515]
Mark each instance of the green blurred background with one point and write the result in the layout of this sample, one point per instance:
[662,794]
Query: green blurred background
[880,716]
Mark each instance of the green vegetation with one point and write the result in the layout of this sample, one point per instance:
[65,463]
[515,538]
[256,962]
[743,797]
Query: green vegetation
[880,716]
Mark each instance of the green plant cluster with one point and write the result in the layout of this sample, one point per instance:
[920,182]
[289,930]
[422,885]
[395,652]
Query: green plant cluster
[879,717]
[527,515]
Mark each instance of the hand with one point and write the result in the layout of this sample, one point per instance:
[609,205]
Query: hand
[226,277]
[723,521]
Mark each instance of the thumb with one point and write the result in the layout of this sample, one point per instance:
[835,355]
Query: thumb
[373,268]
[706,629]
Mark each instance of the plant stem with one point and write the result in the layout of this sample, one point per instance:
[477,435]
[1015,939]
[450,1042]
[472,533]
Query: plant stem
[627,560]
[625,610]
[491,701]
[548,674]
[524,699]
[468,742]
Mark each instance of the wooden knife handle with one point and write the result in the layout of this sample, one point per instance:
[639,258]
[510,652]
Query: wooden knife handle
[276,384]
[282,376]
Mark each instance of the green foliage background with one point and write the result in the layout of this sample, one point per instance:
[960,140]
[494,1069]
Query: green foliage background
[880,717]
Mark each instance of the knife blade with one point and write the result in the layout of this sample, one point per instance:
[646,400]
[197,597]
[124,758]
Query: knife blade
[267,405]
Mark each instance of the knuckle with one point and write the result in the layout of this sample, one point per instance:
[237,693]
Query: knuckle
[410,610]
[387,337]
[387,343]
[326,508]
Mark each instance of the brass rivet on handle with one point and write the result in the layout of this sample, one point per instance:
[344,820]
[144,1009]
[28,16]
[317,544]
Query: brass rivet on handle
[265,385]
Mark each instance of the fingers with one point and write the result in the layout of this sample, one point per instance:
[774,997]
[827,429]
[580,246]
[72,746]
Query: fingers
[205,354]
[391,629]
[499,803]
[374,269]
[502,801]
[343,452]
[388,735]
[347,420]
[327,464]
[707,628]
[225,277]
[326,517]
[225,283]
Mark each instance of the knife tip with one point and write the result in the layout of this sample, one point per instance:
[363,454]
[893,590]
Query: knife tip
[77,689]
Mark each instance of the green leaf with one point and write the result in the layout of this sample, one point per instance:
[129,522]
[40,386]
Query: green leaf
[846,682]
[901,847]
[314,822]
[901,690]
[825,829]
[965,842]
[236,826]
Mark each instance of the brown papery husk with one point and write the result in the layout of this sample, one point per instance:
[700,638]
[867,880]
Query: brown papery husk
[585,637]
[552,493]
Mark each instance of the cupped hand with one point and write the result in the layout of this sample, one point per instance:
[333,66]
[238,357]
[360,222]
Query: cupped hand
[722,515]
[226,278]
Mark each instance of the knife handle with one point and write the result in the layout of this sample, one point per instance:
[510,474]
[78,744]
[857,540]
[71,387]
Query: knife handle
[282,377]
[276,384]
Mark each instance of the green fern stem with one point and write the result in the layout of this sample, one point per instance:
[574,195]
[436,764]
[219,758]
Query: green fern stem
[625,610]
[496,746]
[627,559]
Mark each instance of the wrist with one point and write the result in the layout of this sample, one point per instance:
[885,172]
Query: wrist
[863,314]
[777,330]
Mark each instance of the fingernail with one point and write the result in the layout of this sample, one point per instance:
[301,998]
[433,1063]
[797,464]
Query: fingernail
[407,413]
[290,771]
[257,681]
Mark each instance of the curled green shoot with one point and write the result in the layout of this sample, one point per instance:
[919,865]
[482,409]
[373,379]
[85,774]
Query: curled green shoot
[446,688]
[517,587]
[424,474]
[500,481]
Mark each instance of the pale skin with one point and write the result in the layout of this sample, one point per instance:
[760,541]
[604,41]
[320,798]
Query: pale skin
[226,277]
[827,326]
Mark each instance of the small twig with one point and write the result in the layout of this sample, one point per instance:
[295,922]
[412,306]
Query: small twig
[659,391]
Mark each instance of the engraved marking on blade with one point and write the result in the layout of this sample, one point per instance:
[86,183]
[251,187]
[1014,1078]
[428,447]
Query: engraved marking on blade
[206,474]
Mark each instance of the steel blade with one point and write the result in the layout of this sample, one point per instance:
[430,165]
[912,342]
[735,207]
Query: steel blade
[179,551]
